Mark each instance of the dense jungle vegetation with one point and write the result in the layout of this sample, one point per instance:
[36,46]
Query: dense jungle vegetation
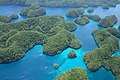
[73,13]
[108,21]
[93,17]
[102,56]
[32,11]
[73,74]
[82,20]
[54,33]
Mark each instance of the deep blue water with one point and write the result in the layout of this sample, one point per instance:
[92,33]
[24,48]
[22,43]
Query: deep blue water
[37,66]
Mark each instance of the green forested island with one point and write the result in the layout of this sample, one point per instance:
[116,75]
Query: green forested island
[82,20]
[90,10]
[73,13]
[14,16]
[93,17]
[72,54]
[108,21]
[32,11]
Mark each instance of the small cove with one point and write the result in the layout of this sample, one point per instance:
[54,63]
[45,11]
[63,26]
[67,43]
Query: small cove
[118,52]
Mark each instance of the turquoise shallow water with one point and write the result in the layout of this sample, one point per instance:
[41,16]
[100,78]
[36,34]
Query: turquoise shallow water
[37,66]
[118,52]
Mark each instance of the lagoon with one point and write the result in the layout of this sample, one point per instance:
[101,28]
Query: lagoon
[37,66]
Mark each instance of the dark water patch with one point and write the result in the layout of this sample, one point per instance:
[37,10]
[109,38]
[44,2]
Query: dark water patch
[101,74]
